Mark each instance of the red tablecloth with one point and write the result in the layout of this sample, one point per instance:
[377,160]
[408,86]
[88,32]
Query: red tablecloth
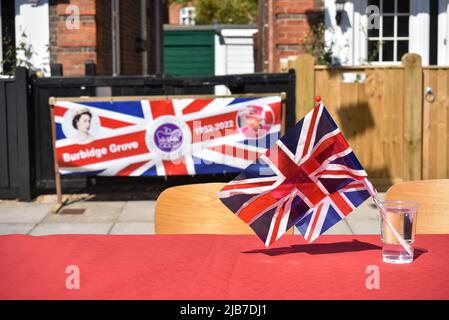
[216,267]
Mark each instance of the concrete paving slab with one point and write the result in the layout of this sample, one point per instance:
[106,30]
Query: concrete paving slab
[95,212]
[137,211]
[23,212]
[133,228]
[340,228]
[367,227]
[364,219]
[15,228]
[365,211]
[130,217]
[71,228]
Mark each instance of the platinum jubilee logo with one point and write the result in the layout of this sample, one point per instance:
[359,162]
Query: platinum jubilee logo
[170,137]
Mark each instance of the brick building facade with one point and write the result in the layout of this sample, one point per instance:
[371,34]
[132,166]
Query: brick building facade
[285,23]
[132,52]
[174,12]
[72,47]
[93,40]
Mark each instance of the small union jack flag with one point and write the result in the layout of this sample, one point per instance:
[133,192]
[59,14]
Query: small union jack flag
[309,178]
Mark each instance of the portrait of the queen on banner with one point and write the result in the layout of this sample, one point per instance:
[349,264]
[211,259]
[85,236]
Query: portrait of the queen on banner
[255,121]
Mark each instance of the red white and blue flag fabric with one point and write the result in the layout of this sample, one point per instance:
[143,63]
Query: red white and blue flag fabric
[162,137]
[310,179]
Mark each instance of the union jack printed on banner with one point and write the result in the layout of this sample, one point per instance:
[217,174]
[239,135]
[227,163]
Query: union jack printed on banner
[164,136]
[309,178]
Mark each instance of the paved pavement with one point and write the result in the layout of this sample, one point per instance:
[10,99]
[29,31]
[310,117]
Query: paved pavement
[126,217]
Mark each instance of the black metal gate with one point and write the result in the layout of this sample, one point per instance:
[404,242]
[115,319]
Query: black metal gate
[15,149]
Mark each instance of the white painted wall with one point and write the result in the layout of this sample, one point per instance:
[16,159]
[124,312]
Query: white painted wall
[239,54]
[220,56]
[34,22]
[233,54]
[220,64]
[419,29]
[349,39]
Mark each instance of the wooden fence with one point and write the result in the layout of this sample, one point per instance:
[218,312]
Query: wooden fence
[436,124]
[398,129]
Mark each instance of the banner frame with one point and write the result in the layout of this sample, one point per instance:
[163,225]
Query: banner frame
[52,101]
[58,184]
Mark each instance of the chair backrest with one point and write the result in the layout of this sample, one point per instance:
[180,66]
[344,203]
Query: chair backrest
[433,195]
[196,209]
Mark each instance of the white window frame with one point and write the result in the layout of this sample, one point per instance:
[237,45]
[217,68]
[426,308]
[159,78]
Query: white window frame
[355,37]
[395,38]
[187,13]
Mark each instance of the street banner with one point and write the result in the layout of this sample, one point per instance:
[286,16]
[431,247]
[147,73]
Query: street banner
[160,136]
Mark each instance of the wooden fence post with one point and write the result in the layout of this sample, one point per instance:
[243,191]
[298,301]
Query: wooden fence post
[413,116]
[305,84]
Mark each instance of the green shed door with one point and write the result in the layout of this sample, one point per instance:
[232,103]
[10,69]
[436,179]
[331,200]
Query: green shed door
[189,52]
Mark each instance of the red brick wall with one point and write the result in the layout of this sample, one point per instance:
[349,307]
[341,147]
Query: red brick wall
[173,11]
[71,47]
[290,21]
[93,40]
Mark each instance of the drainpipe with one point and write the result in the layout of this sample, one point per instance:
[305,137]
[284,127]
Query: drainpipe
[115,4]
[157,40]
[259,66]
[143,35]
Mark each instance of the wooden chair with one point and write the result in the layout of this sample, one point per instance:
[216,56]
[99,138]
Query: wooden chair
[433,195]
[196,209]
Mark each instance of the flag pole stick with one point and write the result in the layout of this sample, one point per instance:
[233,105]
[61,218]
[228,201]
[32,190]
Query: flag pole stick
[59,201]
[383,212]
